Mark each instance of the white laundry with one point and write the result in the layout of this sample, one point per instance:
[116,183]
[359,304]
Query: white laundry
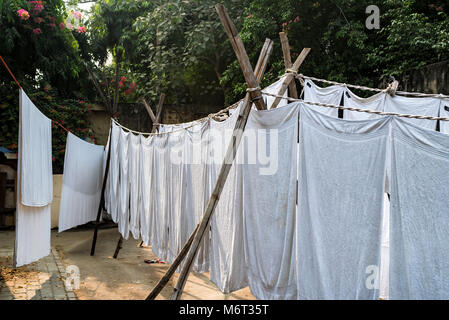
[37,172]
[274,89]
[163,128]
[415,106]
[444,112]
[81,184]
[375,102]
[228,270]
[161,197]
[112,201]
[33,223]
[197,191]
[329,95]
[419,225]
[123,188]
[385,251]
[340,202]
[134,185]
[175,145]
[269,200]
[147,193]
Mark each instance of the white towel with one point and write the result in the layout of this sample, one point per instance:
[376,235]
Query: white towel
[161,196]
[34,167]
[134,182]
[340,199]
[375,102]
[197,191]
[415,106]
[444,112]
[385,251]
[114,174]
[147,192]
[328,95]
[269,200]
[123,188]
[37,173]
[227,266]
[419,225]
[274,89]
[81,184]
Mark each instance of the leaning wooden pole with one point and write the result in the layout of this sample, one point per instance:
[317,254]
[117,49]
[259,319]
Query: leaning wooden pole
[288,63]
[259,71]
[102,200]
[253,95]
[290,75]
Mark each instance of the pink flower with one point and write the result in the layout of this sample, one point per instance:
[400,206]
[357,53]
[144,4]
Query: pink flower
[132,85]
[38,20]
[62,26]
[120,84]
[23,14]
[81,29]
[52,25]
[122,78]
[37,31]
[250,16]
[76,14]
[69,26]
[284,24]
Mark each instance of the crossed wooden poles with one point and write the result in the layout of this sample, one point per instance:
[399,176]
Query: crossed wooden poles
[253,95]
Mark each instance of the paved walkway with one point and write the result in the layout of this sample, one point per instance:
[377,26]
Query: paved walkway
[41,280]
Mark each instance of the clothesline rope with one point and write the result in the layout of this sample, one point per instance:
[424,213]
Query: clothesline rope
[382,113]
[405,93]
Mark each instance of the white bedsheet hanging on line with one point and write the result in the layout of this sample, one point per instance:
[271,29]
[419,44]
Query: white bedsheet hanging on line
[375,102]
[161,196]
[123,188]
[340,198]
[81,183]
[146,187]
[415,106]
[112,184]
[269,200]
[419,226]
[34,184]
[134,185]
[444,112]
[197,191]
[228,270]
[274,89]
[328,95]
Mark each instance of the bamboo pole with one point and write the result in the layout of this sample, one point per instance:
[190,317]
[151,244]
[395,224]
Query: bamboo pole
[289,77]
[158,112]
[260,69]
[101,204]
[150,112]
[288,63]
[232,148]
[242,56]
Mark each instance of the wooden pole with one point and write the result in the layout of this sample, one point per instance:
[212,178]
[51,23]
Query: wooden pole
[290,76]
[158,112]
[101,204]
[150,112]
[232,148]
[260,69]
[242,57]
[100,92]
[288,63]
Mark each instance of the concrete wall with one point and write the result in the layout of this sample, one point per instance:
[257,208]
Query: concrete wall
[57,189]
[433,78]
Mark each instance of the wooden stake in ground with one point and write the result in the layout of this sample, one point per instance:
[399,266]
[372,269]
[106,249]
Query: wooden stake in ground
[101,204]
[259,72]
[290,75]
[288,63]
[253,95]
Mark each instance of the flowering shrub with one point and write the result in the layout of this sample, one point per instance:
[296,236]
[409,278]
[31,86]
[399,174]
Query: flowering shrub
[23,14]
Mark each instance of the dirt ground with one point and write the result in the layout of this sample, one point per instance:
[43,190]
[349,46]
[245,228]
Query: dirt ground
[128,277]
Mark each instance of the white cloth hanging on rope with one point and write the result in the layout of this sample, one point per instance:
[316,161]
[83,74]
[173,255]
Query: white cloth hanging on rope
[328,95]
[161,196]
[147,192]
[415,106]
[37,171]
[384,272]
[175,145]
[274,89]
[123,188]
[197,190]
[134,185]
[81,182]
[269,200]
[34,182]
[419,226]
[228,270]
[112,201]
[164,128]
[374,102]
[444,112]
[340,199]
